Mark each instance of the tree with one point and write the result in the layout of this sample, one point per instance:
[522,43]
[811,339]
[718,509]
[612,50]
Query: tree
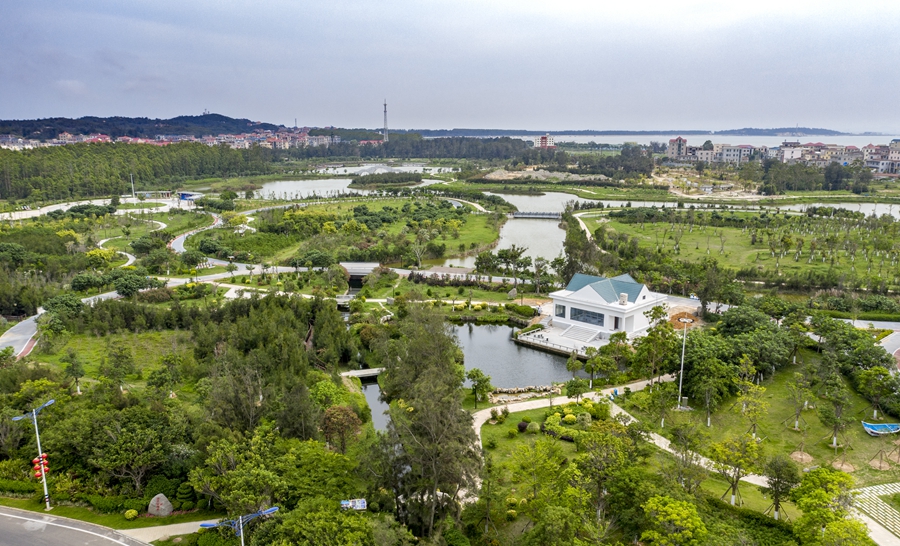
[675,523]
[575,388]
[798,394]
[711,382]
[782,476]
[753,406]
[74,368]
[825,497]
[481,384]
[118,363]
[231,268]
[833,415]
[687,441]
[599,364]
[656,351]
[133,442]
[602,455]
[339,425]
[322,521]
[876,383]
[733,459]
[573,364]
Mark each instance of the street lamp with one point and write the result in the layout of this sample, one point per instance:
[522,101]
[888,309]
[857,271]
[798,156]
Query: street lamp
[238,524]
[41,458]
[684,321]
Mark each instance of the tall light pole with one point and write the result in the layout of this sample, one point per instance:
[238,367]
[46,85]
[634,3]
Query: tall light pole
[684,321]
[33,414]
[238,524]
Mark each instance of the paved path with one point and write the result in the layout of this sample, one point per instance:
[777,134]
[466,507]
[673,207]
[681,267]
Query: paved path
[887,518]
[19,527]
[162,532]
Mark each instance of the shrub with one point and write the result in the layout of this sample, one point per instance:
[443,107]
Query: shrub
[523,310]
[131,514]
[105,505]
[511,515]
[570,419]
[187,505]
[533,428]
[505,412]
[512,433]
[161,484]
[138,505]
[512,502]
[491,443]
[583,420]
[522,426]
[495,415]
[185,493]
[526,419]
[203,504]
[18,487]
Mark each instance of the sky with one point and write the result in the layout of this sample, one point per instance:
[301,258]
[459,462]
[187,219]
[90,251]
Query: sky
[511,64]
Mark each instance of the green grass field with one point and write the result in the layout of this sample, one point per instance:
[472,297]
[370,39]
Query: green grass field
[777,436]
[730,246]
[147,348]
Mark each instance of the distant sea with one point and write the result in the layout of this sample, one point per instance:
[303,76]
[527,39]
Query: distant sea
[697,140]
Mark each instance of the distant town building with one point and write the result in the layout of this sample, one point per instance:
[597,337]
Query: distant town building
[545,141]
[677,148]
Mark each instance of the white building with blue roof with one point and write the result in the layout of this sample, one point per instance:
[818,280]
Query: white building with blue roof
[603,306]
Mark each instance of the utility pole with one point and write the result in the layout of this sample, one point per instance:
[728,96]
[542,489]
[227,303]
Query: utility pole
[132,185]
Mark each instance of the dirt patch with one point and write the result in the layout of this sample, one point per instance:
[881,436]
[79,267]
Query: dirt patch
[878,464]
[802,457]
[843,467]
[684,312]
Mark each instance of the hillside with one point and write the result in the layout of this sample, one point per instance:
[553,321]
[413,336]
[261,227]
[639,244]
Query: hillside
[207,124]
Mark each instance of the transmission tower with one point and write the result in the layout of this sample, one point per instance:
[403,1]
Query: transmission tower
[385,121]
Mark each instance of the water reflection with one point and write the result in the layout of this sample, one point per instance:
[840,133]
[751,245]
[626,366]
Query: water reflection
[372,392]
[491,349]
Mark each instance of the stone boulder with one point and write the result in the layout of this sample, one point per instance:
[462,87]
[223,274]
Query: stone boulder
[159,506]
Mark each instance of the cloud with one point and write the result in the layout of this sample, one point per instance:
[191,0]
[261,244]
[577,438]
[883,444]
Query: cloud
[71,88]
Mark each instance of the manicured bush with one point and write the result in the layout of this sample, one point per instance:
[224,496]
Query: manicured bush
[161,484]
[18,487]
[512,433]
[583,420]
[187,505]
[533,428]
[511,515]
[491,443]
[131,514]
[105,505]
[139,505]
[522,426]
[512,502]
[526,419]
[570,419]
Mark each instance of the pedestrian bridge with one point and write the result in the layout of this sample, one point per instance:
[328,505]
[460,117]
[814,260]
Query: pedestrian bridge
[368,372]
[538,215]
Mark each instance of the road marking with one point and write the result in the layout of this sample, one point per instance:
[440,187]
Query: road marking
[44,522]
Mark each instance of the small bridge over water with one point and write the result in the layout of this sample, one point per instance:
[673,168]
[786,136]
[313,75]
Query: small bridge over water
[538,215]
[368,372]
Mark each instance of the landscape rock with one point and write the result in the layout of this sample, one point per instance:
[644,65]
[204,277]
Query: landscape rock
[159,506]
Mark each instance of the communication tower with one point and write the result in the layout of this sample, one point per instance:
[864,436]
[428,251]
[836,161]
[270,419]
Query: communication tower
[385,121]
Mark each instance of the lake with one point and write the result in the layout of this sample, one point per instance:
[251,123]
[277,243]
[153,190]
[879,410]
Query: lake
[491,349]
[381,168]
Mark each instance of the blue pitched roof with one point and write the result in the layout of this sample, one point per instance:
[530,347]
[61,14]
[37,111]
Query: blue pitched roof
[608,289]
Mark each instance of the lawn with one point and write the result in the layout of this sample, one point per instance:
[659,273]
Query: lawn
[147,348]
[777,437]
[144,205]
[732,246]
[114,521]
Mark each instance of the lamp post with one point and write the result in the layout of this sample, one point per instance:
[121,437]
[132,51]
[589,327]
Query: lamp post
[684,321]
[41,458]
[238,524]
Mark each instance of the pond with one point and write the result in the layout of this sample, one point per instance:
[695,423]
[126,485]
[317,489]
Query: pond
[330,187]
[542,238]
[381,168]
[491,349]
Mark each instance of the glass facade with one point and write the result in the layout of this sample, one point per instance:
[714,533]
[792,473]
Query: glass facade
[589,317]
[561,311]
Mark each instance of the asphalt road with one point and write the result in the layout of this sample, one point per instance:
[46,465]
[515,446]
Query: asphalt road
[21,528]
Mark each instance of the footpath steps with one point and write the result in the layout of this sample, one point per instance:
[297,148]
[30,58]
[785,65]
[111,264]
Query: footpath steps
[868,501]
[579,334]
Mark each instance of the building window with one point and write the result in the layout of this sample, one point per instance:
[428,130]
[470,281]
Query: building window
[561,311]
[589,317]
